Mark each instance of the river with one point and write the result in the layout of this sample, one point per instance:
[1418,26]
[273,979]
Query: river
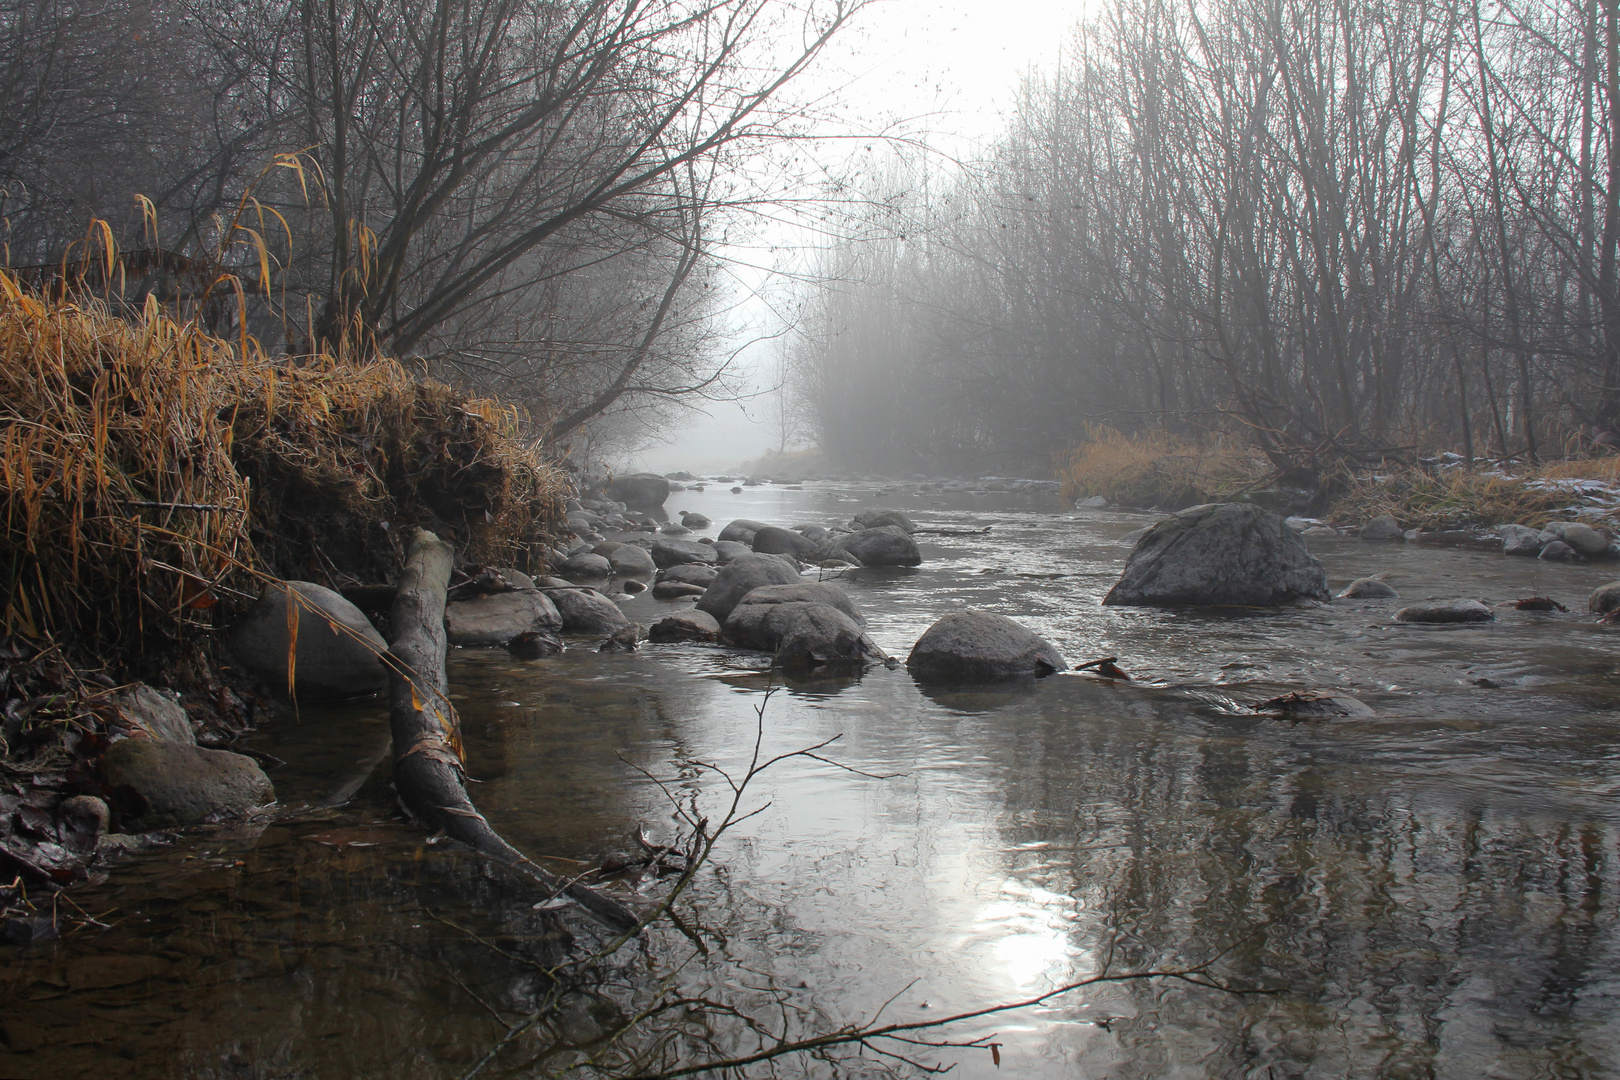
[1431,892]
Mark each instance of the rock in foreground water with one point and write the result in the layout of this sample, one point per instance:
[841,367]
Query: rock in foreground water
[1445,611]
[586,611]
[685,626]
[178,785]
[497,619]
[1220,554]
[981,646]
[1604,599]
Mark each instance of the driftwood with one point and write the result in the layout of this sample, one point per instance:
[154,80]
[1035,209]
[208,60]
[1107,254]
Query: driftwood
[428,772]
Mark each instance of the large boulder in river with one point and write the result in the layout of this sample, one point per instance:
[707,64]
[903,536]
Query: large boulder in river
[497,619]
[775,541]
[981,646]
[586,611]
[167,784]
[886,545]
[338,652]
[667,553]
[742,576]
[741,531]
[640,491]
[1220,553]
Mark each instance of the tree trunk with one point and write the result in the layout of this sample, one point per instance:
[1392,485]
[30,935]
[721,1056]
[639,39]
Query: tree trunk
[428,773]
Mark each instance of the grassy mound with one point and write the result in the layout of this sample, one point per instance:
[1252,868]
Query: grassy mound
[1157,468]
[150,474]
[1456,497]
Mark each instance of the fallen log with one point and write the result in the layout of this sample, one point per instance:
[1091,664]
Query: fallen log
[428,773]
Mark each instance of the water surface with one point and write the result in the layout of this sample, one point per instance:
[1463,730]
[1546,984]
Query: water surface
[1428,893]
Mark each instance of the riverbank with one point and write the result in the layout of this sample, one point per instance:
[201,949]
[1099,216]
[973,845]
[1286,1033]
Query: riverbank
[153,479]
[1158,470]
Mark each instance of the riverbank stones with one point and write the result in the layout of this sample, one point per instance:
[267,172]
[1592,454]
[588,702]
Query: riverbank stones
[159,784]
[1384,528]
[338,650]
[1520,540]
[981,646]
[667,553]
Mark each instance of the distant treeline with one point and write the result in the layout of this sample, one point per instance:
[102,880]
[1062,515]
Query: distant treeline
[518,195]
[1340,227]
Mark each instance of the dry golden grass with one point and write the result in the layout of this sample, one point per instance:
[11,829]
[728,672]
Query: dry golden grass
[1463,498]
[149,471]
[1155,467]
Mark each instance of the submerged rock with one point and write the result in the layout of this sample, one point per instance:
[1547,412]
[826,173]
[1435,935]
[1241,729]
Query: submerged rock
[981,646]
[676,590]
[1368,588]
[1445,611]
[338,654]
[1308,706]
[1220,554]
[534,644]
[695,521]
[691,625]
[165,784]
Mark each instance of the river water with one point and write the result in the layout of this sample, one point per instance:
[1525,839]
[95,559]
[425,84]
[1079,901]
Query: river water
[1428,893]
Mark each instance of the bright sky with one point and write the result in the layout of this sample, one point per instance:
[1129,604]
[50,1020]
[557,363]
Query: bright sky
[949,67]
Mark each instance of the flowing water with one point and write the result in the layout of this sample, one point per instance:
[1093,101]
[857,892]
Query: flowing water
[1428,893]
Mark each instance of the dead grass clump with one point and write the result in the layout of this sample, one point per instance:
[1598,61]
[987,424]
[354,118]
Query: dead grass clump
[1459,498]
[149,471]
[1157,467]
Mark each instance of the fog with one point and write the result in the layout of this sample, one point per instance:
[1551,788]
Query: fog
[940,74]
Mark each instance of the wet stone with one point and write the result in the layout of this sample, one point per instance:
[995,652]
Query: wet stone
[1445,611]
